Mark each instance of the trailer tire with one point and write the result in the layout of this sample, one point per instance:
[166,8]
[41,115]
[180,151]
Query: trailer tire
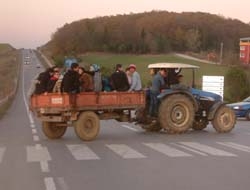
[87,126]
[52,130]
[176,114]
[224,119]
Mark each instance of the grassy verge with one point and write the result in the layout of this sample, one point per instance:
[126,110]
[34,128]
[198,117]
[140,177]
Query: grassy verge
[4,107]
[8,73]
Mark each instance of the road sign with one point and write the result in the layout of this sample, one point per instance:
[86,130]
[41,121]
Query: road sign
[213,84]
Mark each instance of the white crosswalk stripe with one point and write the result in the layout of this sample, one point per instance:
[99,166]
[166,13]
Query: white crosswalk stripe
[82,152]
[167,150]
[190,149]
[125,151]
[207,149]
[2,151]
[37,153]
[235,146]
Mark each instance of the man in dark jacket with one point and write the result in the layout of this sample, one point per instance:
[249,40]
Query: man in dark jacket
[42,81]
[119,80]
[70,82]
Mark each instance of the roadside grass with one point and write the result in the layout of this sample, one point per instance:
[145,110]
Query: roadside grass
[142,61]
[8,73]
[4,107]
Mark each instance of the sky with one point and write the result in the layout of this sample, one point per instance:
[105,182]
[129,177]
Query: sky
[30,23]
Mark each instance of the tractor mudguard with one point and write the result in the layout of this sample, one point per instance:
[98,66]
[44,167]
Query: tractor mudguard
[213,110]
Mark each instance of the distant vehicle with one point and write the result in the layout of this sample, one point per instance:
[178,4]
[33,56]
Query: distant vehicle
[26,62]
[27,57]
[38,65]
[241,109]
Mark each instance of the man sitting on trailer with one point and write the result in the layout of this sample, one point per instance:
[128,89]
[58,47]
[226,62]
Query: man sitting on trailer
[119,80]
[70,81]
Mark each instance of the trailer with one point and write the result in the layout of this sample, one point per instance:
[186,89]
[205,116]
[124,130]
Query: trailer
[83,111]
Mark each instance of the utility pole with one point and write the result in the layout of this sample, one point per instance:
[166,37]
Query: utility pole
[221,52]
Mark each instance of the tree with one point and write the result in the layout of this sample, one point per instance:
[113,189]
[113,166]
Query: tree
[237,84]
[193,40]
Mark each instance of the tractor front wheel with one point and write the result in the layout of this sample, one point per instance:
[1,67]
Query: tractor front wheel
[224,119]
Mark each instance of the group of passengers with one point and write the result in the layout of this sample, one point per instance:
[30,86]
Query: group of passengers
[78,79]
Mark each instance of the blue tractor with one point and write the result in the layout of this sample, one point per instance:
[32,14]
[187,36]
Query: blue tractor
[182,107]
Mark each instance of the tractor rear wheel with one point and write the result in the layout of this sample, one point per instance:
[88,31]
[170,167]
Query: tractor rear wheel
[176,113]
[224,119]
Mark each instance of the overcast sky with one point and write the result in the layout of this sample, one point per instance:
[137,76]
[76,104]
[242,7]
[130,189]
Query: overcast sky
[30,23]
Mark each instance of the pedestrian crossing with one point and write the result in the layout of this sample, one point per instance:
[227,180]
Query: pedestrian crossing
[171,150]
[142,150]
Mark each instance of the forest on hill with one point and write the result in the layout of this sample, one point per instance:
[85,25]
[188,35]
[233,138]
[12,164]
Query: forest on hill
[149,32]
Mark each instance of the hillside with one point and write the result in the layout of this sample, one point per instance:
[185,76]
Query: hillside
[149,32]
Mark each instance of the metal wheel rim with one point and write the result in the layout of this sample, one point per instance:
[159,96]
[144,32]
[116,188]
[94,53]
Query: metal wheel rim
[179,114]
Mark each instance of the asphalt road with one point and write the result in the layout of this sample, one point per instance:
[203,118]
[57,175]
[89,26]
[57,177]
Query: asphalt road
[122,157]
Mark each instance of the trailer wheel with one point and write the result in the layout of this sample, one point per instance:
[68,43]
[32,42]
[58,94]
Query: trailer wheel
[224,119]
[87,126]
[53,130]
[199,124]
[176,113]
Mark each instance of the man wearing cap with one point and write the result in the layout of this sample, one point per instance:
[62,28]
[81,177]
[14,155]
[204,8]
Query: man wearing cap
[136,79]
[119,80]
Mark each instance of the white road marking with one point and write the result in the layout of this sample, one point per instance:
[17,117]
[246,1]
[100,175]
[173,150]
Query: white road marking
[39,154]
[82,152]
[32,125]
[235,146]
[167,150]
[2,151]
[207,149]
[31,118]
[62,184]
[35,154]
[190,149]
[49,183]
[36,138]
[38,146]
[44,166]
[26,103]
[130,128]
[125,151]
[34,131]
